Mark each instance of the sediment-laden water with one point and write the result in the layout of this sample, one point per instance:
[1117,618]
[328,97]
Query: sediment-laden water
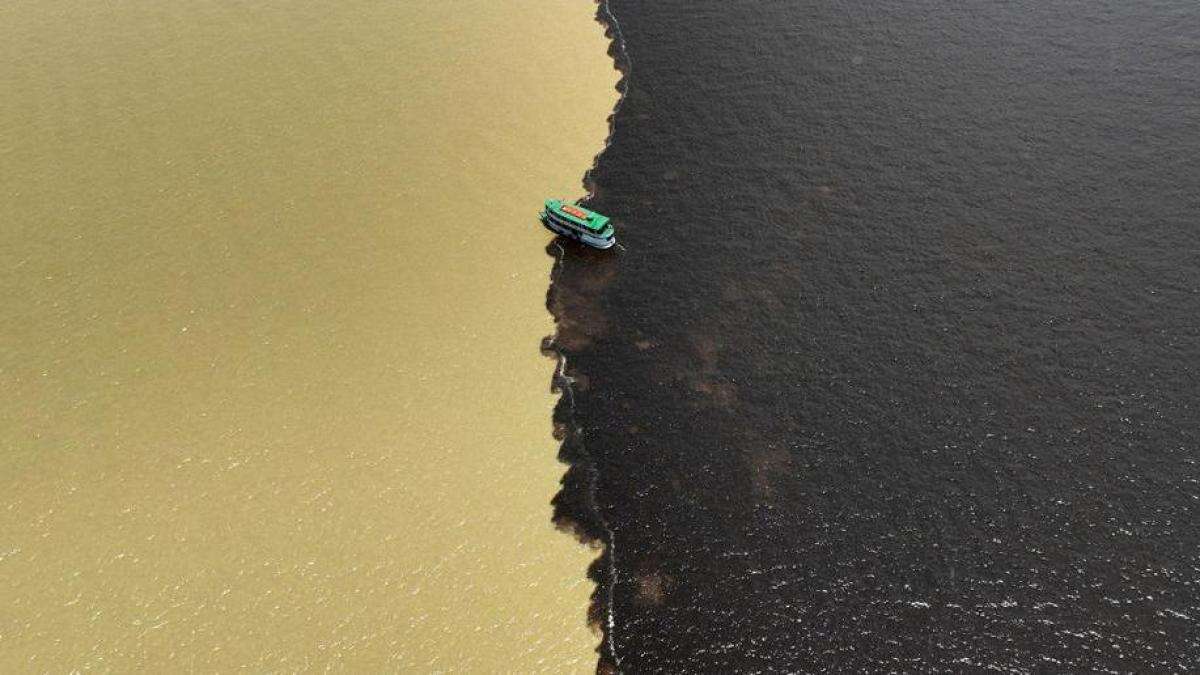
[897,368]
[271,296]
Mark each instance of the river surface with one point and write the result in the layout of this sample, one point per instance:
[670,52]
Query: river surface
[897,368]
[273,290]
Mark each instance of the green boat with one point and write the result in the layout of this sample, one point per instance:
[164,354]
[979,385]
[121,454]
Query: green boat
[575,222]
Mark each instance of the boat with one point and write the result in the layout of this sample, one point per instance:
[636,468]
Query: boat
[575,222]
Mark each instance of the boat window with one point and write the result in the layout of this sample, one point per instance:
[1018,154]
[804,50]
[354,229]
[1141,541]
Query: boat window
[570,224]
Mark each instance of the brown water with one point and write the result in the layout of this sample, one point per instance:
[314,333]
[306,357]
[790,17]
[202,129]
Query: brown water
[273,289]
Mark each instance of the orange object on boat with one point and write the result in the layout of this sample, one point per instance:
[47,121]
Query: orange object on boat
[578,213]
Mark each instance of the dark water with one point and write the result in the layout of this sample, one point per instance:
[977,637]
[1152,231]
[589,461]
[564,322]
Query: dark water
[898,368]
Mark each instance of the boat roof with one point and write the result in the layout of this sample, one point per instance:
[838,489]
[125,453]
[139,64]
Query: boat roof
[577,214]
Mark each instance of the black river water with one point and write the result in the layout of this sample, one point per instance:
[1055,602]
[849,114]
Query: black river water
[897,366]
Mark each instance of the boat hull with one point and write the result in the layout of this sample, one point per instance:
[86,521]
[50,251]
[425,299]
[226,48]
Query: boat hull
[590,240]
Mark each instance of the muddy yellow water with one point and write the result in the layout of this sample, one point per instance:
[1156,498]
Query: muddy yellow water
[271,293]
